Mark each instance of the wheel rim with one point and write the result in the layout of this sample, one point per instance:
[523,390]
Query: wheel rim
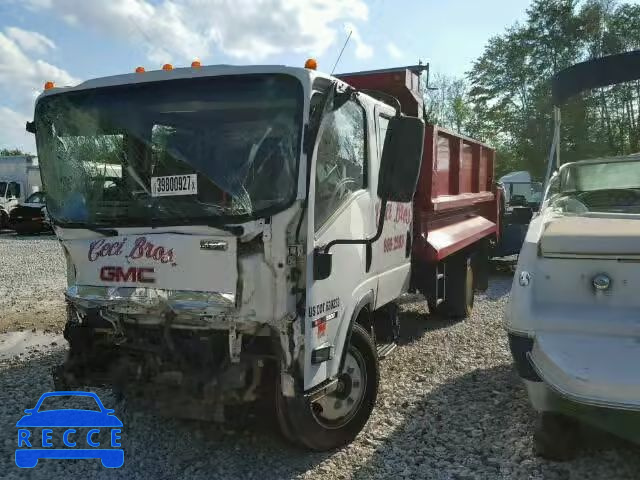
[339,407]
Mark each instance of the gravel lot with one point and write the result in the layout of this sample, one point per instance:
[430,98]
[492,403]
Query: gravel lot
[32,279]
[450,405]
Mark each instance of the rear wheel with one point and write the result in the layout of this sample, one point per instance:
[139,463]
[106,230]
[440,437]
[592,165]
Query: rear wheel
[459,292]
[336,419]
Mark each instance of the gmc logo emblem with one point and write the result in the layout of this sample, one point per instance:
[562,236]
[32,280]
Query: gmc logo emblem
[132,274]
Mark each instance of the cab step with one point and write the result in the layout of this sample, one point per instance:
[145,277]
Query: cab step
[385,349]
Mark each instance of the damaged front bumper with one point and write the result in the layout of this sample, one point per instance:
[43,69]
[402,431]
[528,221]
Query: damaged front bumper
[185,352]
[186,309]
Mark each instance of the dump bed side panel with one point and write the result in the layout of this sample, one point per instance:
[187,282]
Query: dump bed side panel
[401,83]
[455,185]
[456,203]
[456,170]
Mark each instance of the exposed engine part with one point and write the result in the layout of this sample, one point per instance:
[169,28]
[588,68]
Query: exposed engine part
[188,373]
[235,344]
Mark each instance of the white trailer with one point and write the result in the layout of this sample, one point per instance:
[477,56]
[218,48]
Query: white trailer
[516,183]
[19,178]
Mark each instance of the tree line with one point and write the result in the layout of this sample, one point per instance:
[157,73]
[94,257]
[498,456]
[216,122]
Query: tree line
[9,152]
[505,98]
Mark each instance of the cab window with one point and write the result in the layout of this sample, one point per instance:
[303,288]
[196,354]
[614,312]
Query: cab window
[14,190]
[35,198]
[341,159]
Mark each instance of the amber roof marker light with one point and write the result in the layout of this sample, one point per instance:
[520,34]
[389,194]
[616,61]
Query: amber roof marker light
[311,64]
[167,67]
[140,70]
[196,64]
[49,85]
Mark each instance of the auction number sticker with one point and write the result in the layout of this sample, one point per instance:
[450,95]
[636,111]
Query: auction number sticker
[174,185]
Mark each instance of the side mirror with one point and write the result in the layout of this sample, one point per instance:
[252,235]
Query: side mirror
[401,159]
[322,263]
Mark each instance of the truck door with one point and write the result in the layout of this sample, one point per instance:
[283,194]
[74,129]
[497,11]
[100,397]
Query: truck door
[392,252]
[340,207]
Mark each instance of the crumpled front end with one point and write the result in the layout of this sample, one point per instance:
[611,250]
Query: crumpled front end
[189,351]
[146,306]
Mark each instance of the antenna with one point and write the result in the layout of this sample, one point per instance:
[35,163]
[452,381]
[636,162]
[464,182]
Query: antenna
[341,52]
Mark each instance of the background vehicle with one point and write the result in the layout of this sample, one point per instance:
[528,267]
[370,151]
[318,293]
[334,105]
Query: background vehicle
[521,200]
[572,313]
[30,216]
[19,178]
[257,234]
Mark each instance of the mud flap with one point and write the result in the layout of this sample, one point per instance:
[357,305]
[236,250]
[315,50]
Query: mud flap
[386,324]
[480,265]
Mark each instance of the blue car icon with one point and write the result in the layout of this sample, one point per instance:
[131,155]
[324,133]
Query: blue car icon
[68,419]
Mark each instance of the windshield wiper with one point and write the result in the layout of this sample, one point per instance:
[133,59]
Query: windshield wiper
[107,232]
[237,230]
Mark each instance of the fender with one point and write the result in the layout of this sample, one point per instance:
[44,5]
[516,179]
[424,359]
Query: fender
[367,300]
[343,337]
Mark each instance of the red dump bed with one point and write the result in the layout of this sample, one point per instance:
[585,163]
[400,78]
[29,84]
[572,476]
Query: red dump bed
[456,203]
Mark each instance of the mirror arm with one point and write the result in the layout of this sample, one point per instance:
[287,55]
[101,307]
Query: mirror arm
[364,241]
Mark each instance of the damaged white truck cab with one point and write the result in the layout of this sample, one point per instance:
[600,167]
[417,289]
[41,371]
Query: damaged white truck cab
[220,225]
[572,316]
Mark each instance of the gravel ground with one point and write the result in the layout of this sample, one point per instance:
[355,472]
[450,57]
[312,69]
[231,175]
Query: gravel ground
[32,279]
[450,407]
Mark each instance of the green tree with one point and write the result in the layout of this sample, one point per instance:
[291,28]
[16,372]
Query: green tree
[9,152]
[447,103]
[510,93]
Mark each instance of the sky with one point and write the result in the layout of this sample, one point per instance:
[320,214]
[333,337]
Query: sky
[68,41]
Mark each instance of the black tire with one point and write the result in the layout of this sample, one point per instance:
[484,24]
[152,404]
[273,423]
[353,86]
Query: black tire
[27,229]
[459,291]
[433,308]
[556,437]
[283,420]
[299,418]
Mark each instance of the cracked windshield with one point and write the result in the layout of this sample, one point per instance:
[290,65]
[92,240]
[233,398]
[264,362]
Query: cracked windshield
[181,152]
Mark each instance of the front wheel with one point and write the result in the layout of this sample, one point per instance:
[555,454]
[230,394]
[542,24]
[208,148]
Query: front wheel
[4,220]
[336,419]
